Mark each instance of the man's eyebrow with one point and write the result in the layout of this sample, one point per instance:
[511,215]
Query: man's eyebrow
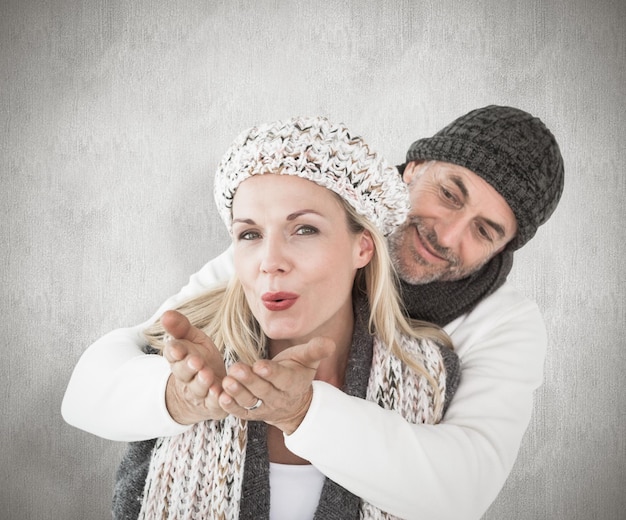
[498,228]
[460,184]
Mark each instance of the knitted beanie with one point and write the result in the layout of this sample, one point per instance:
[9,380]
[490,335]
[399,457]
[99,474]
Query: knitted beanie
[510,149]
[323,152]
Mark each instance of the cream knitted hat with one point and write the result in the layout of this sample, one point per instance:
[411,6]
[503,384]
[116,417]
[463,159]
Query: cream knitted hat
[323,152]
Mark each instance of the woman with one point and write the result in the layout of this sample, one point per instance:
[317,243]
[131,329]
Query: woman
[307,205]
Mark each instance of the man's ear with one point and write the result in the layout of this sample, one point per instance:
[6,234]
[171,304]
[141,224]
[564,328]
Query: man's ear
[409,171]
[364,250]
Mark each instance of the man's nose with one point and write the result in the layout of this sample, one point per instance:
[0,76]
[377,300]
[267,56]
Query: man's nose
[450,231]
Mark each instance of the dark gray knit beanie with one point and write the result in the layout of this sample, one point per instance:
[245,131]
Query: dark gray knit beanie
[513,151]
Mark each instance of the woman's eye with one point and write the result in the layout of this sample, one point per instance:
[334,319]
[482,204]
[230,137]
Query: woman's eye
[249,235]
[306,230]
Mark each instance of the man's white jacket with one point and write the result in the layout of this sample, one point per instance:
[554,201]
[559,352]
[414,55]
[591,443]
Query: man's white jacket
[451,470]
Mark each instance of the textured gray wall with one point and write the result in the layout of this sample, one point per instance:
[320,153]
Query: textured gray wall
[113,116]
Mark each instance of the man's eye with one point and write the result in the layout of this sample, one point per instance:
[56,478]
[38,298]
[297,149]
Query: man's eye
[306,230]
[449,196]
[484,233]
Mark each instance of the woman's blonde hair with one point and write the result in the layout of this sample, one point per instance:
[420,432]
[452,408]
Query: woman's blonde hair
[225,316]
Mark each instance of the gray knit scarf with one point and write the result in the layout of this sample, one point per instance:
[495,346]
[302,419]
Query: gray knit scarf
[442,302]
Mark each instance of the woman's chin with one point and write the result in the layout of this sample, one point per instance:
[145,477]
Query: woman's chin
[287,338]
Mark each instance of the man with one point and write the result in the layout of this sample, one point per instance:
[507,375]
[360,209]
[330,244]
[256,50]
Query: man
[479,188]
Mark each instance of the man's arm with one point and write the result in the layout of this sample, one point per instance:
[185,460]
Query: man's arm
[442,471]
[454,469]
[116,391]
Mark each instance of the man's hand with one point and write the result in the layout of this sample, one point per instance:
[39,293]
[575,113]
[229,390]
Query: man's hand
[197,372]
[282,383]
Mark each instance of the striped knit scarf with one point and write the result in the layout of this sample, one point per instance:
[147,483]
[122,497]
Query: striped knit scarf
[199,474]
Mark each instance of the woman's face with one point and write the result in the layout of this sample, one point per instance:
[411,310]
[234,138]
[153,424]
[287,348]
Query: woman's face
[295,256]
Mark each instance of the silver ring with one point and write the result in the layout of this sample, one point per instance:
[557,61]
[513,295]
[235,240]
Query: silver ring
[254,406]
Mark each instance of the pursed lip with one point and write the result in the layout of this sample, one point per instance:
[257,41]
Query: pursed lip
[278,301]
[425,249]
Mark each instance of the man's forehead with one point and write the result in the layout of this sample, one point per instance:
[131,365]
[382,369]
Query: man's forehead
[465,177]
[446,168]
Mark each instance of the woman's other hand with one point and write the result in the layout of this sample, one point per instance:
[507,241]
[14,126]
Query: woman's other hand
[197,372]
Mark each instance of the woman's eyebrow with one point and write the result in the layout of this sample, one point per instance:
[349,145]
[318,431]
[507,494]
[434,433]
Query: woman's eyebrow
[244,221]
[296,214]
[291,216]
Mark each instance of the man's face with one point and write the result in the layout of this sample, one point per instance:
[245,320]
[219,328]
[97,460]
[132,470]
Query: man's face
[457,223]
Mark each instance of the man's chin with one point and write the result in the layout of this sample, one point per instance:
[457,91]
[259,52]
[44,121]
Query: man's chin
[417,274]
[411,267]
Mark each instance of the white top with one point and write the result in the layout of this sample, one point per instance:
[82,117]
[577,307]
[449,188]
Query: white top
[295,491]
[447,471]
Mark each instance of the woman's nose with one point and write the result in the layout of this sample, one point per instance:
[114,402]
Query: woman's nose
[273,259]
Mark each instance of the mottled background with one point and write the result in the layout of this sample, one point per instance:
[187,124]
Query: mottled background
[113,116]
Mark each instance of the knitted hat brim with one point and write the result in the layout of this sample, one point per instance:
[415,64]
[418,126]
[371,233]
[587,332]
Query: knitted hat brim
[481,161]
